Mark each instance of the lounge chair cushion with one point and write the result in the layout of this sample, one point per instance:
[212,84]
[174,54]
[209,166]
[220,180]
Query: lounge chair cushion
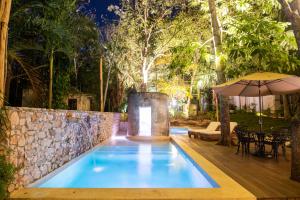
[214,135]
[213,126]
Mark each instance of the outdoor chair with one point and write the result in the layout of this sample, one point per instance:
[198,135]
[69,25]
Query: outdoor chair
[212,135]
[213,126]
[244,139]
[277,139]
[215,135]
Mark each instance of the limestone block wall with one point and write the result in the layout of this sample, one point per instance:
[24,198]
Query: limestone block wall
[42,140]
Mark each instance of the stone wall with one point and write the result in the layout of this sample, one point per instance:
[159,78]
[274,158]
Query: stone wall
[43,140]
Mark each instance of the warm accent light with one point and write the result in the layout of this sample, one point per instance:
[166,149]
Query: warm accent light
[145,121]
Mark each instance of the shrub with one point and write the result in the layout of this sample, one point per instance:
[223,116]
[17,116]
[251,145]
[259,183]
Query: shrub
[6,176]
[7,170]
[250,120]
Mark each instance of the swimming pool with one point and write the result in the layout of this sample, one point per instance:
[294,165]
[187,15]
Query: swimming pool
[127,164]
[178,130]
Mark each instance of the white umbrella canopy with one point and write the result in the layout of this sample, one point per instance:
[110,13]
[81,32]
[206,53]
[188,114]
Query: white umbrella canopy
[260,84]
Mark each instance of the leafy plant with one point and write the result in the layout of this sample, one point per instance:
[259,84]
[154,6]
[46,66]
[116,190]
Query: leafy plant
[250,120]
[61,89]
[7,169]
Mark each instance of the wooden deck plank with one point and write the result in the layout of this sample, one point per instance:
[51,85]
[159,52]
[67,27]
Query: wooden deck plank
[265,178]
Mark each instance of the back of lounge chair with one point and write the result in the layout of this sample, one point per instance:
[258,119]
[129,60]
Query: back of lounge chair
[213,126]
[232,126]
[213,135]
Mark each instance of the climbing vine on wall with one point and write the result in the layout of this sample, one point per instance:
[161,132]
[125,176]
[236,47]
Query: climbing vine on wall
[6,169]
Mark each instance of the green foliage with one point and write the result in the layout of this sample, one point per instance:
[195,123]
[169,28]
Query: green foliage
[256,41]
[159,40]
[149,29]
[7,169]
[211,115]
[61,90]
[175,88]
[250,120]
[39,27]
[3,128]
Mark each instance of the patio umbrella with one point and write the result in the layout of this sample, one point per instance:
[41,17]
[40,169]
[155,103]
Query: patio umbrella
[260,84]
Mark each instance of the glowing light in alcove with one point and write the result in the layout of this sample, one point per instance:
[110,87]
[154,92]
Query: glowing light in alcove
[145,121]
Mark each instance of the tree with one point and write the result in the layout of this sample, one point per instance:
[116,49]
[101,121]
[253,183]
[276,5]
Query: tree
[259,43]
[5,7]
[292,14]
[219,65]
[57,32]
[295,167]
[149,34]
[75,36]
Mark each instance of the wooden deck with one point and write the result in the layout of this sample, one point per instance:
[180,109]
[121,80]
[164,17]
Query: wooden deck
[265,178]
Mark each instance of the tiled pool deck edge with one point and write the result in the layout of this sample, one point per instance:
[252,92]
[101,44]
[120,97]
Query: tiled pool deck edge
[229,189]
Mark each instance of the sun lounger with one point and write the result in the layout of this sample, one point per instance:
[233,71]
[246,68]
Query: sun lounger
[215,135]
[213,126]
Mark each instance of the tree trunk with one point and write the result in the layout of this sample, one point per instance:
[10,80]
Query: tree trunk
[199,102]
[292,15]
[224,106]
[224,115]
[225,121]
[191,93]
[286,107]
[295,170]
[5,7]
[101,85]
[147,36]
[51,61]
[106,86]
[291,12]
[145,75]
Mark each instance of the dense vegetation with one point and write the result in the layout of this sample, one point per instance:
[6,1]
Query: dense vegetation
[168,46]
[6,168]
[155,45]
[53,48]
[250,119]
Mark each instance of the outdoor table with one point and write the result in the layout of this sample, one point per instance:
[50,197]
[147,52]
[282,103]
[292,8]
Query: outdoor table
[260,149]
[266,138]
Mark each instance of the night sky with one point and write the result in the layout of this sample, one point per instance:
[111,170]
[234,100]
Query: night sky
[99,7]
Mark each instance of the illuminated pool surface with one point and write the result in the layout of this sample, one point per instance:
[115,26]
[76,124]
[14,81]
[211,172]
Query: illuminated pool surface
[178,130]
[125,164]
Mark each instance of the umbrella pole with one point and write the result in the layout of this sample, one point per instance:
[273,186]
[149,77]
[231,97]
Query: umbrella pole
[260,110]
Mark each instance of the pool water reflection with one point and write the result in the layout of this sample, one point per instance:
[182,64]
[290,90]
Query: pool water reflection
[127,164]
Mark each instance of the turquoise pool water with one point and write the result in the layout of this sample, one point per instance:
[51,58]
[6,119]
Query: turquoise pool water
[178,131]
[124,164]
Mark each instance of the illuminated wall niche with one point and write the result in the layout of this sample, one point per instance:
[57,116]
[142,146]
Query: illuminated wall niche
[148,114]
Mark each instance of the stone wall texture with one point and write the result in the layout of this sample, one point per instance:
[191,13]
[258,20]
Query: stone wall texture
[42,140]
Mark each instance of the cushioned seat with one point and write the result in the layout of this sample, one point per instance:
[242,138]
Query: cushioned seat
[211,135]
[213,126]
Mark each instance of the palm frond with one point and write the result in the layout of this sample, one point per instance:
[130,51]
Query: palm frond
[33,75]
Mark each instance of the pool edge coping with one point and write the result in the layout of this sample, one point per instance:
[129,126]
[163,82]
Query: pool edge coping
[229,188]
